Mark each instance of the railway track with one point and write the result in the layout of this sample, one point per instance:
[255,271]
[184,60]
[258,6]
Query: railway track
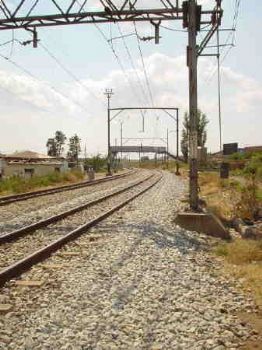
[52,233]
[5,200]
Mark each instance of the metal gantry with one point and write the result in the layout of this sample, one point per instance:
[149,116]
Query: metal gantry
[56,13]
[167,110]
[28,15]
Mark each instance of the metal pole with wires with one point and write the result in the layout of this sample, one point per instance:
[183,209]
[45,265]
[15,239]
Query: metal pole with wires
[219,90]
[192,68]
[108,93]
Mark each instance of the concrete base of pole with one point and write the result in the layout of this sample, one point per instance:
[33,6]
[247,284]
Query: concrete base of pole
[203,223]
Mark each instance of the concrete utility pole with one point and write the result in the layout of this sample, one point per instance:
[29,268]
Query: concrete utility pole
[108,93]
[192,66]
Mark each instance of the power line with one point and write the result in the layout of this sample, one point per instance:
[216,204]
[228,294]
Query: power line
[132,62]
[230,40]
[133,88]
[173,29]
[110,44]
[233,32]
[143,65]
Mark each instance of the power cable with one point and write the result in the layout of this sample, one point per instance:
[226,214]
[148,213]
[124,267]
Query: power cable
[144,67]
[173,29]
[132,62]
[133,88]
[230,40]
[110,44]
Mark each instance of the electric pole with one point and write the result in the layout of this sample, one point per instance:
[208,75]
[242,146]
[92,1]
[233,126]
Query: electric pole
[108,93]
[192,66]
[219,90]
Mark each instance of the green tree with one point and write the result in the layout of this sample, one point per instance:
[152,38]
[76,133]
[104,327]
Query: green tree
[74,148]
[60,140]
[202,122]
[51,147]
[55,144]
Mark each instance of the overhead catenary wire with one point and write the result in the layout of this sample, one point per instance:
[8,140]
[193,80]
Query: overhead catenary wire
[110,44]
[144,66]
[233,32]
[133,88]
[230,41]
[132,62]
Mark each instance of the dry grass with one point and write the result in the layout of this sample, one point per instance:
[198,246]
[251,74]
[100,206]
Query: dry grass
[231,197]
[220,195]
[209,183]
[241,251]
[243,260]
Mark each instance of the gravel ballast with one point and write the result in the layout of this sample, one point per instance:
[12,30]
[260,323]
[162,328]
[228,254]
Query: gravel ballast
[136,281]
[37,205]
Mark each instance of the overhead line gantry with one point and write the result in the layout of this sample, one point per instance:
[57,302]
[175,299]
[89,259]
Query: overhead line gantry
[192,15]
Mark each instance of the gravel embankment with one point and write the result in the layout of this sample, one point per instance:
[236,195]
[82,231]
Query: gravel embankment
[136,281]
[12,210]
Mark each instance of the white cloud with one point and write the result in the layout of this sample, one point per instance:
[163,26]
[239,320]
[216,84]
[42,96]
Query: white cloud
[168,76]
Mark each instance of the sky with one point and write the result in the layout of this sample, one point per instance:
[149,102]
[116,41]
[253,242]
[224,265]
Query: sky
[60,85]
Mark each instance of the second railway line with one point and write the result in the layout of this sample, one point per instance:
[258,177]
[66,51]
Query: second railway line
[9,199]
[51,201]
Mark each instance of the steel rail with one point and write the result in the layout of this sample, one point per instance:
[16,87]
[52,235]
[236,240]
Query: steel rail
[5,200]
[13,235]
[26,263]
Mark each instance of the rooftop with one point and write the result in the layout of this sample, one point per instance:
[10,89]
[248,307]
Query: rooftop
[28,155]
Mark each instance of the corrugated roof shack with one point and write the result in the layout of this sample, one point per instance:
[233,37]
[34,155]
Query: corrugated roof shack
[27,164]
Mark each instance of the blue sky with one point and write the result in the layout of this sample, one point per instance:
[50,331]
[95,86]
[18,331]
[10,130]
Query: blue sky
[32,110]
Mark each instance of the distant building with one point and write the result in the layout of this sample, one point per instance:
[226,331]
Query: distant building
[27,164]
[230,148]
